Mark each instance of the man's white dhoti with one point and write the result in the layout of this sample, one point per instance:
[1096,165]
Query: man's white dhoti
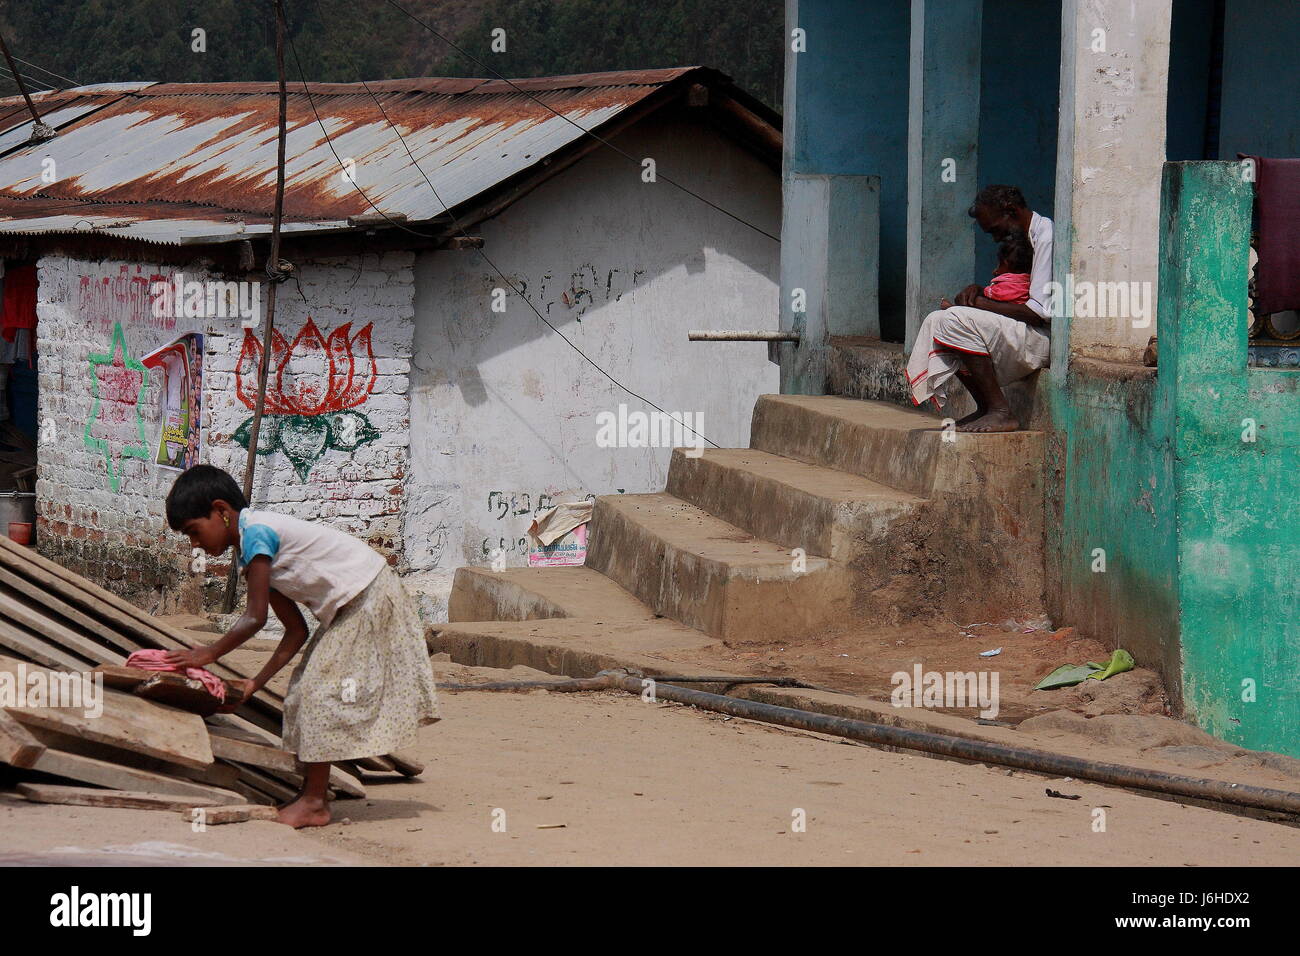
[1015,348]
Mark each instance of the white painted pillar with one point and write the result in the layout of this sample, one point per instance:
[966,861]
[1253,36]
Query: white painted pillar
[1110,153]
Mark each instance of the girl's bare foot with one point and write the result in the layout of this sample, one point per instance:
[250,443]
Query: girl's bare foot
[305,812]
[997,420]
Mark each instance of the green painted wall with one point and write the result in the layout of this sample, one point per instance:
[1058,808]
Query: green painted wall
[1200,528]
[1238,520]
[1110,486]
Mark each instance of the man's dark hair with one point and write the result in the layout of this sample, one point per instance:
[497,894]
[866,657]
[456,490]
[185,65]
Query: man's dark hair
[194,492]
[999,198]
[1016,252]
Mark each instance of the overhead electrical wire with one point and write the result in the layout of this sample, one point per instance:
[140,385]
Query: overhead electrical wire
[57,76]
[477,62]
[461,229]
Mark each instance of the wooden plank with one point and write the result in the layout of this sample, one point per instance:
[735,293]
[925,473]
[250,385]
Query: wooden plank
[18,747]
[120,613]
[233,727]
[118,777]
[32,648]
[376,764]
[188,622]
[92,797]
[98,628]
[22,611]
[168,687]
[215,816]
[126,721]
[406,765]
[252,794]
[254,754]
[98,600]
[277,789]
[218,774]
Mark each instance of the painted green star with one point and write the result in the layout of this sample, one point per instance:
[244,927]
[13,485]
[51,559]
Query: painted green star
[117,371]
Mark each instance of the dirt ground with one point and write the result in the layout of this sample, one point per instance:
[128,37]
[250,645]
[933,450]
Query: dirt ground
[605,778]
[862,660]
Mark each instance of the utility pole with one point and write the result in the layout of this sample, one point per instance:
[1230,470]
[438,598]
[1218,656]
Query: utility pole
[275,273]
[40,131]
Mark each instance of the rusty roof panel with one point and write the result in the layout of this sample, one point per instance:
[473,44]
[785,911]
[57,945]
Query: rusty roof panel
[194,154]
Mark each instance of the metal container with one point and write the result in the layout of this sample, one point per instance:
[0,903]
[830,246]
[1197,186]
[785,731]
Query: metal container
[17,506]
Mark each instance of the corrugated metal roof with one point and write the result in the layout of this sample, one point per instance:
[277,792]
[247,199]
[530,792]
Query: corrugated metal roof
[189,163]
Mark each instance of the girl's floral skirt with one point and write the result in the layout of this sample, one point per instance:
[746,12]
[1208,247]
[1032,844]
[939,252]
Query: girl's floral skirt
[364,685]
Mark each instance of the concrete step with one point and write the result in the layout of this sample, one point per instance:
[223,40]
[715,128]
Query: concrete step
[866,368]
[979,535]
[695,568]
[791,503]
[574,647]
[903,448]
[529,594]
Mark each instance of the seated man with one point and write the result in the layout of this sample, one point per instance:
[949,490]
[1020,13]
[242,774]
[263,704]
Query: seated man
[984,341]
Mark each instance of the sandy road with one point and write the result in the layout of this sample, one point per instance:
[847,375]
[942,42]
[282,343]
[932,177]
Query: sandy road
[656,783]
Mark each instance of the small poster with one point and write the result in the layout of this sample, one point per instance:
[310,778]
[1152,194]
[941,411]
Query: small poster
[569,550]
[181,364]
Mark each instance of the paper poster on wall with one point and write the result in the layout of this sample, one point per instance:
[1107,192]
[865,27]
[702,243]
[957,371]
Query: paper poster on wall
[181,362]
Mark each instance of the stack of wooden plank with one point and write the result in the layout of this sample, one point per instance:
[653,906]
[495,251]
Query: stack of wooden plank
[140,751]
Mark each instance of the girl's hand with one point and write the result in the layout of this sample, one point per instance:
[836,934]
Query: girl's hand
[198,657]
[248,687]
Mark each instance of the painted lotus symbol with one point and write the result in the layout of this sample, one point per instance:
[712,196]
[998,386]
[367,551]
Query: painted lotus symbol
[311,388]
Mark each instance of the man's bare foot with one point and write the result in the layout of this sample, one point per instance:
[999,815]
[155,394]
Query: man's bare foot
[305,813]
[979,412]
[998,420]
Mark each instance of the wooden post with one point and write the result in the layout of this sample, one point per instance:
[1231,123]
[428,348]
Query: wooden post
[40,131]
[273,273]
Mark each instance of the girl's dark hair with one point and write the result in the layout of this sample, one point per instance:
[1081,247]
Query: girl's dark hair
[194,492]
[1016,252]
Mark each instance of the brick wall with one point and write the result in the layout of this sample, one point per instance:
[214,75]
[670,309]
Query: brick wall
[339,446]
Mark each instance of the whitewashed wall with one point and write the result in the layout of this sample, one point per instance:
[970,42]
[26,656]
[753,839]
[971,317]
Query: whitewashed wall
[504,412]
[101,508]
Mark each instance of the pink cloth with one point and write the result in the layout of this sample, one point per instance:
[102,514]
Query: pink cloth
[152,660]
[1008,287]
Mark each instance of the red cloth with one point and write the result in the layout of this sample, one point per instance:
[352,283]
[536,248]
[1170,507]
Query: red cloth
[1008,287]
[1277,212]
[19,303]
[152,660]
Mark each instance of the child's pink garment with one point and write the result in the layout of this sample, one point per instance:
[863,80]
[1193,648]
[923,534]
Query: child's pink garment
[1008,287]
[152,660]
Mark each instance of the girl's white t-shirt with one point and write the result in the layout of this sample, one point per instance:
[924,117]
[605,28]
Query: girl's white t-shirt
[311,563]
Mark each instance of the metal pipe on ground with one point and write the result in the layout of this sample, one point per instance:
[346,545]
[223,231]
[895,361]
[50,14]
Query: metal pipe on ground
[1040,761]
[604,683]
[961,748]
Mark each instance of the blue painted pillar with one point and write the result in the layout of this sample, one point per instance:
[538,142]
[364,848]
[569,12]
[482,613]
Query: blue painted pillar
[843,172]
[943,155]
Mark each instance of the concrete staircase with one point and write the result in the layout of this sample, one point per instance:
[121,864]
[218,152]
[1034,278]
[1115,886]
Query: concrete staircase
[843,512]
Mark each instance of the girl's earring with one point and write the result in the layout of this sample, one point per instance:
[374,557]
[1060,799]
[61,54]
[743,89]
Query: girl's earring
[226,520]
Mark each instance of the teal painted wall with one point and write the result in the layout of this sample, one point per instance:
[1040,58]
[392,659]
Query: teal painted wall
[1238,523]
[1110,486]
[1201,534]
[1020,80]
[851,118]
